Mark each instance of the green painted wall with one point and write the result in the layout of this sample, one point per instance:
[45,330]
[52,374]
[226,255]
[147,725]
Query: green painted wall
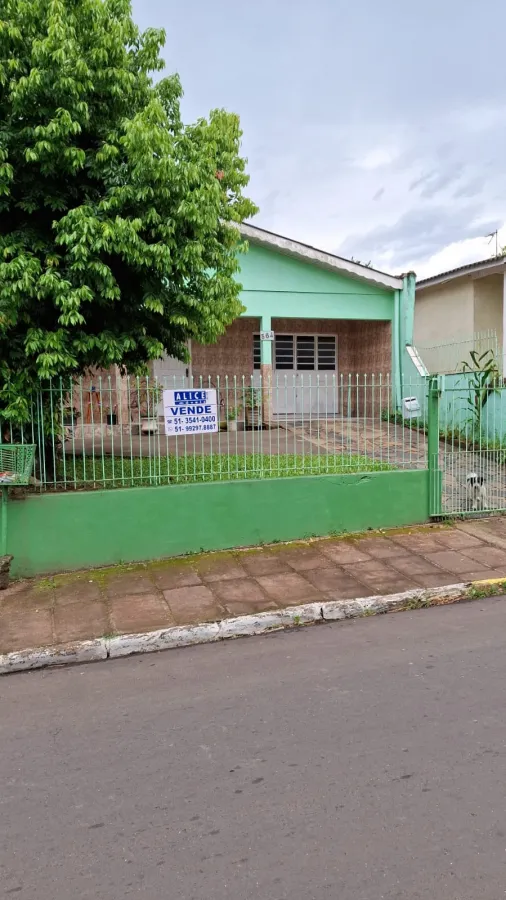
[317,306]
[408,308]
[280,286]
[57,532]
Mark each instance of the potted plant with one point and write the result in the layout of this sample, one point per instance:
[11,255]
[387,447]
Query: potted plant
[70,416]
[111,416]
[145,397]
[253,407]
[232,415]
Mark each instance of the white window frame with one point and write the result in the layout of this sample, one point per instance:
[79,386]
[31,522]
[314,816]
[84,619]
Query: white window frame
[300,372]
[315,336]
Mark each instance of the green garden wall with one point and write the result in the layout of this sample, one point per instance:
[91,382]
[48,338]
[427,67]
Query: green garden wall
[58,532]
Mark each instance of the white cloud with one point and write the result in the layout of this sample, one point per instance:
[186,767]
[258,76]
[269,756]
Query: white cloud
[395,157]
[377,158]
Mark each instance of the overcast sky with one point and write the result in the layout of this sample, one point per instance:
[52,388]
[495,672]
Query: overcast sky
[373,129]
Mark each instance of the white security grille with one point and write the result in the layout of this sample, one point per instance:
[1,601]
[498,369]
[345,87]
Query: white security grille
[283,352]
[326,353]
[256,351]
[301,352]
[305,353]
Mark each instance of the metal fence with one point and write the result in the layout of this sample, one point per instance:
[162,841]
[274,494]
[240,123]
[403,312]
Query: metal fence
[448,357]
[97,433]
[103,432]
[472,445]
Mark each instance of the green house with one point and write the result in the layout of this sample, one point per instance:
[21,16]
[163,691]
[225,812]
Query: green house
[316,329]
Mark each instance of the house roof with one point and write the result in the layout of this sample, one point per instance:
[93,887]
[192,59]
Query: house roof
[329,261]
[488,266]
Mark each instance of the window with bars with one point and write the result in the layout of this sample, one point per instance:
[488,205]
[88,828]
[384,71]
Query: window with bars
[305,355]
[326,349]
[301,352]
[256,351]
[283,352]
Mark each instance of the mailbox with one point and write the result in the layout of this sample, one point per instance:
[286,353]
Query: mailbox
[410,408]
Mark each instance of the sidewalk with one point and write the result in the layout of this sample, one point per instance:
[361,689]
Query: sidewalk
[211,587]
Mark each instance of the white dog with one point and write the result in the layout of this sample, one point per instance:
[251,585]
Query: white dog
[476,491]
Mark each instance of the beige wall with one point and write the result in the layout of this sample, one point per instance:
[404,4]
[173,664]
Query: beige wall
[451,314]
[444,313]
[488,300]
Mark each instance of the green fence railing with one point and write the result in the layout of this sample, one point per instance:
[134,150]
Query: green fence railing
[471,448]
[102,432]
[107,432]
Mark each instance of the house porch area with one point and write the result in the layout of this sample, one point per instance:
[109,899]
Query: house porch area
[361,347]
[317,367]
[327,371]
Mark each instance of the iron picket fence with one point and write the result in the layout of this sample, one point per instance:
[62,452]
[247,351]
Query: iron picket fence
[107,432]
[448,356]
[472,444]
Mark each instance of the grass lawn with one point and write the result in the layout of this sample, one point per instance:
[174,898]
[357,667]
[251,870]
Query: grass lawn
[114,471]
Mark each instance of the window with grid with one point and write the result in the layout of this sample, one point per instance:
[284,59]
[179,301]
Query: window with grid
[305,353]
[256,351]
[283,351]
[326,353]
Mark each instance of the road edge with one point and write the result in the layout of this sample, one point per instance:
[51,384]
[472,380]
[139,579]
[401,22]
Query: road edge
[121,645]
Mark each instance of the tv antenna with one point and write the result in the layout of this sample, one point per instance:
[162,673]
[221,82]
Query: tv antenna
[492,235]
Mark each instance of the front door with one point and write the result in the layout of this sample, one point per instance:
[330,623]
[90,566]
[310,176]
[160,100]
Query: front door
[305,379]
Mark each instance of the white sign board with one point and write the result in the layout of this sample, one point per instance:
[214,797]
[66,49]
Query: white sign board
[266,335]
[190,412]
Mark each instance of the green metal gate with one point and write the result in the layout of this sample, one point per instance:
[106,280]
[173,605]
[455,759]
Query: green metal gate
[466,418]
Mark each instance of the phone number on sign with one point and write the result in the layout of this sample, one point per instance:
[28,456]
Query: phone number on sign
[198,420]
[188,429]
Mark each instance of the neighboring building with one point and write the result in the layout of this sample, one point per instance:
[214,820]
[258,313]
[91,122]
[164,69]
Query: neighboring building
[330,317]
[462,308]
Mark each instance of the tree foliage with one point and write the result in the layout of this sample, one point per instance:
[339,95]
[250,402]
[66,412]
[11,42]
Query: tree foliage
[116,242]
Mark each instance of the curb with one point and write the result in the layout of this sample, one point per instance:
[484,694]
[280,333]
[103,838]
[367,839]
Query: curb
[244,626]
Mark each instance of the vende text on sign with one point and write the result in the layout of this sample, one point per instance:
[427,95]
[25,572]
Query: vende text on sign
[190,412]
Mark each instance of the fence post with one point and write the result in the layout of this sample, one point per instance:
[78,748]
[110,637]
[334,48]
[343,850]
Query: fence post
[435,475]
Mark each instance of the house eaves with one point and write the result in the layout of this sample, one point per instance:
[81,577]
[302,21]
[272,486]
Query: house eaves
[483,267]
[305,253]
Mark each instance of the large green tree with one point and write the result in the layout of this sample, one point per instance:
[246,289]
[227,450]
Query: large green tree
[116,242]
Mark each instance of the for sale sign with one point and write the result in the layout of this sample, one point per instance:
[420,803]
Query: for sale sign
[190,412]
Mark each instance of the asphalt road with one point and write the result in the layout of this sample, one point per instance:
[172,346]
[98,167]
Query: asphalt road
[355,761]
